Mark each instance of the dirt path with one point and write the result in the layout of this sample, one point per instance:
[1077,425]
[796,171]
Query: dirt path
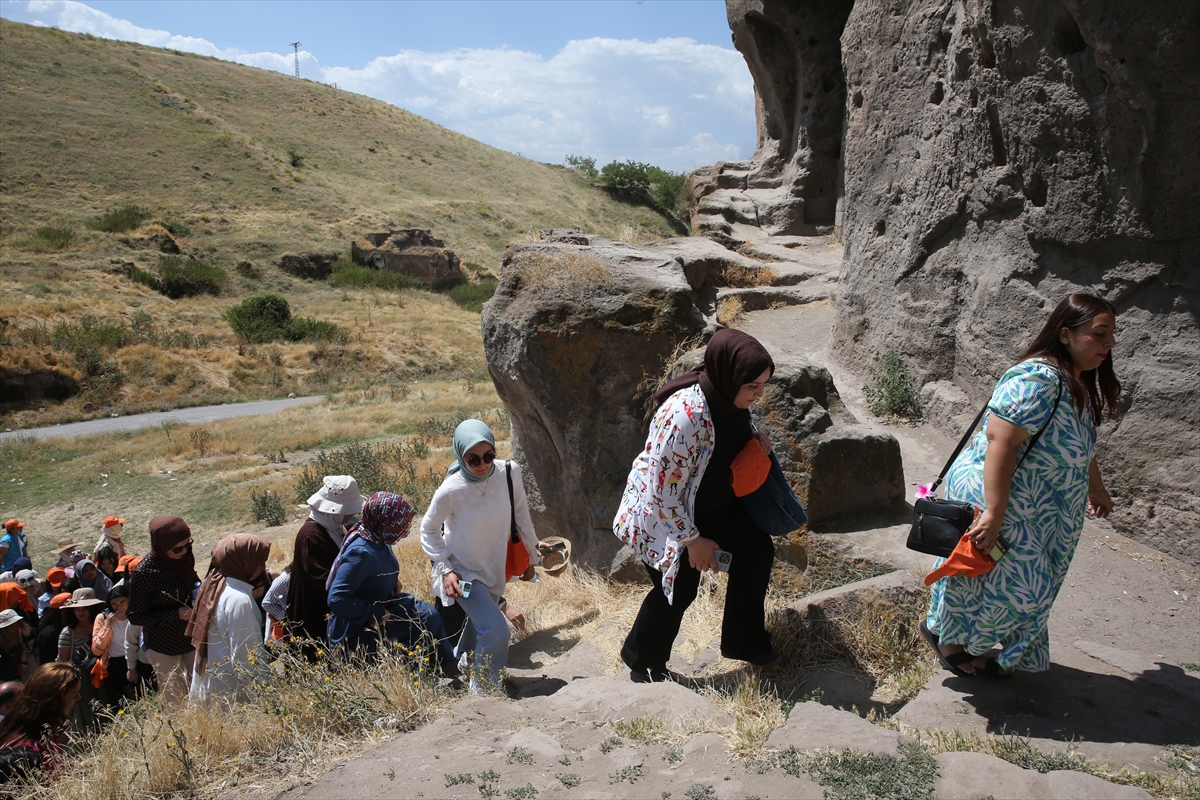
[197,415]
[1125,621]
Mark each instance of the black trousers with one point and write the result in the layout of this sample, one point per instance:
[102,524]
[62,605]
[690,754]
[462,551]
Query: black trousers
[743,628]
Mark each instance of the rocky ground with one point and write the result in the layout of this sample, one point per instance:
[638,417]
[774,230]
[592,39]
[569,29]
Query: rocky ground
[1125,679]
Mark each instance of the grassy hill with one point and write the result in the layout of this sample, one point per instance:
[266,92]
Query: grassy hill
[241,165]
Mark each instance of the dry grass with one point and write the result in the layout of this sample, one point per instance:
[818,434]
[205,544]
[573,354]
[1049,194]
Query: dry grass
[304,719]
[739,276]
[565,272]
[731,312]
[632,233]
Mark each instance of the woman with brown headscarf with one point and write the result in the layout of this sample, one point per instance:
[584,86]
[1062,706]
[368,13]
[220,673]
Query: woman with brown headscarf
[226,626]
[160,600]
[679,507]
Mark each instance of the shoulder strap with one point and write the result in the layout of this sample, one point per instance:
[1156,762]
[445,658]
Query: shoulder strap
[512,506]
[966,436]
[961,444]
[1033,442]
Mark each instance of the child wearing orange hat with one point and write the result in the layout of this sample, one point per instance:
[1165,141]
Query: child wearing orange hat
[12,545]
[110,535]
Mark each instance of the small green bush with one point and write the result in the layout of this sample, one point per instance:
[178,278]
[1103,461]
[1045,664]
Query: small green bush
[894,393]
[48,238]
[176,228]
[347,274]
[268,318]
[90,334]
[180,277]
[309,329]
[377,468]
[139,275]
[260,319]
[267,507]
[294,158]
[472,296]
[123,219]
[585,164]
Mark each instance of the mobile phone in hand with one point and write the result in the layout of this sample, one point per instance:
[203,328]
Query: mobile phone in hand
[998,549]
[465,587]
[724,559]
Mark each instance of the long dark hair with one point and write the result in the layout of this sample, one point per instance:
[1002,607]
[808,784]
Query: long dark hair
[1073,311]
[38,712]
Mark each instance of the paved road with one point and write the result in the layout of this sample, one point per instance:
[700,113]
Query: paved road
[188,416]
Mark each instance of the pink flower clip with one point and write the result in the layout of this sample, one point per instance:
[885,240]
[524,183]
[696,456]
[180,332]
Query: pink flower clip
[923,491]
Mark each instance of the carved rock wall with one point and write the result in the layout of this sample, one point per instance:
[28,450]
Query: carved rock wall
[997,155]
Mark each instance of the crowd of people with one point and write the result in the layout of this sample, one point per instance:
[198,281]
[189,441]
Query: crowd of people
[100,629]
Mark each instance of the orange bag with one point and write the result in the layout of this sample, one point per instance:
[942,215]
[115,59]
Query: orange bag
[966,560]
[517,560]
[750,469]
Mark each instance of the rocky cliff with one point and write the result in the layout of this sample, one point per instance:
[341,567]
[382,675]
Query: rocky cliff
[986,158]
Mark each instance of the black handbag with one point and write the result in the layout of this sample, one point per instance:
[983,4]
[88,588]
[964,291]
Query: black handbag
[938,524]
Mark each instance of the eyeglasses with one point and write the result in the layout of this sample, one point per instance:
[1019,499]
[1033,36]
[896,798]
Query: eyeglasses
[181,549]
[474,460]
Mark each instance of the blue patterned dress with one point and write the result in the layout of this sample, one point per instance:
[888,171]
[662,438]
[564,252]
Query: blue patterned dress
[1010,605]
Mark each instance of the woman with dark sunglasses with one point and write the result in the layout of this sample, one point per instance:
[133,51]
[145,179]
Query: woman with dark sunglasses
[465,533]
[160,600]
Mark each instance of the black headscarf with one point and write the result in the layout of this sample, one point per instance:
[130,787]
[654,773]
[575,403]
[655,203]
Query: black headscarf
[731,360]
[167,531]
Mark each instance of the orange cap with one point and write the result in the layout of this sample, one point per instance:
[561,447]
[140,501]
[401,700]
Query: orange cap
[133,563]
[967,561]
[750,468]
[56,576]
[111,521]
[14,525]
[60,600]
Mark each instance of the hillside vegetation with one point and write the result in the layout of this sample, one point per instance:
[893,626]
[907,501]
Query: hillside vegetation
[234,166]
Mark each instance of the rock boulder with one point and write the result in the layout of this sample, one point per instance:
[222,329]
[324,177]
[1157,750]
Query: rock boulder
[579,333]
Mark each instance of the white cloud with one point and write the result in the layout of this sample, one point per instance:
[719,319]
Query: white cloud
[671,102]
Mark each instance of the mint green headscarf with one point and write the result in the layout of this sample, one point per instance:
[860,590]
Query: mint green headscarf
[469,433]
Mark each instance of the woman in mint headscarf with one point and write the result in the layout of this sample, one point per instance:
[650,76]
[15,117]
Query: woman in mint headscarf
[465,533]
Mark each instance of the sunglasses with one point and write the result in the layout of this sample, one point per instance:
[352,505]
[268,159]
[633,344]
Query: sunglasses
[474,460]
[183,548]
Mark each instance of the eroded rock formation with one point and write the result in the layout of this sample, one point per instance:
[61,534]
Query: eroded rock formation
[579,333]
[995,156]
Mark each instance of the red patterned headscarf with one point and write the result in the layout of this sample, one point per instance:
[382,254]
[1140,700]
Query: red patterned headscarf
[386,518]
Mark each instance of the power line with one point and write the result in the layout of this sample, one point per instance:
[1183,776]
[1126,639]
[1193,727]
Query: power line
[296,47]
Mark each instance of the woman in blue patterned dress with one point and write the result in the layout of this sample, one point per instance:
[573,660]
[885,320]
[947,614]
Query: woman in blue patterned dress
[1040,508]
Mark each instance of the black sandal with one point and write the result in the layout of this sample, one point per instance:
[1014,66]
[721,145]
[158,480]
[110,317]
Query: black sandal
[950,662]
[992,670]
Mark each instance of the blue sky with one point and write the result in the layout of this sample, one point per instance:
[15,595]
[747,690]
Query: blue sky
[656,81]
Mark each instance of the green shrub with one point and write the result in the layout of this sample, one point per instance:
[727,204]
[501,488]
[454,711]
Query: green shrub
[138,275]
[175,228]
[294,158]
[183,277]
[90,334]
[585,164]
[894,393]
[123,219]
[645,183]
[268,318]
[377,468]
[48,238]
[347,274]
[309,329]
[267,507]
[472,296]
[261,318]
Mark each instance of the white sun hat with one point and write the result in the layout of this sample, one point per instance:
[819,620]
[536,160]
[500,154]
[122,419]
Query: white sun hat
[338,495]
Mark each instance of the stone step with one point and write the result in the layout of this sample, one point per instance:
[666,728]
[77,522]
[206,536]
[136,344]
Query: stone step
[760,297]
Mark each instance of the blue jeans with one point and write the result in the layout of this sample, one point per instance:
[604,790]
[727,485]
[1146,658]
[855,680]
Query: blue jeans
[485,635]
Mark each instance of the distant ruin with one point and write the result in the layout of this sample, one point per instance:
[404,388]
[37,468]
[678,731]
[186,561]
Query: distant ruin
[412,251]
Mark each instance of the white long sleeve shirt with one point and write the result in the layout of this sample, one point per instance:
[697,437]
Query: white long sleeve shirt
[235,633]
[466,529]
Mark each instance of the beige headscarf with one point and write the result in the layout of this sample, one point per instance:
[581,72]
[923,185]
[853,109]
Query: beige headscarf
[239,556]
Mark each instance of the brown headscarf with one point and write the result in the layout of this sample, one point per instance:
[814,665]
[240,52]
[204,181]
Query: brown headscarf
[731,360]
[238,556]
[167,531]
